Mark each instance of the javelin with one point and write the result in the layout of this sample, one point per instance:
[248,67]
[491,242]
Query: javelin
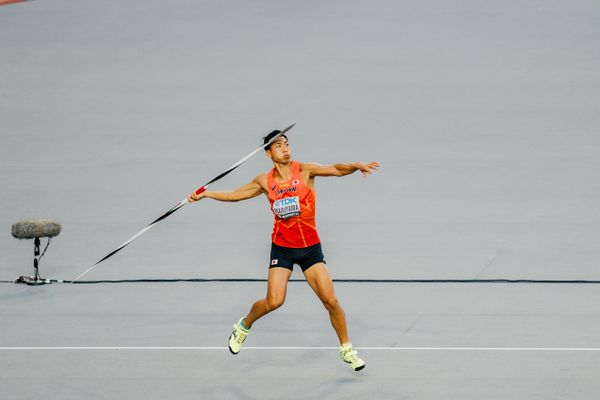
[184,202]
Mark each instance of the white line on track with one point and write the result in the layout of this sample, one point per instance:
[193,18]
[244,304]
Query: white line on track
[196,348]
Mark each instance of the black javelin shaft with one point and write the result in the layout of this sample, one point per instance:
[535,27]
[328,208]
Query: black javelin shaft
[184,202]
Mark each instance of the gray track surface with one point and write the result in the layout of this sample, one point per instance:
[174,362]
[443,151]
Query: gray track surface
[485,118]
[183,314]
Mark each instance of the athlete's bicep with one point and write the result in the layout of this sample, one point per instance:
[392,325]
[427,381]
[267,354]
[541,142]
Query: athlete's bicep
[248,191]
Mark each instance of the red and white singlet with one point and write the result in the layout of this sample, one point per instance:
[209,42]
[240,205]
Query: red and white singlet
[293,203]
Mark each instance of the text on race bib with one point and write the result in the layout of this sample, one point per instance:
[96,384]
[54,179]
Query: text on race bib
[287,207]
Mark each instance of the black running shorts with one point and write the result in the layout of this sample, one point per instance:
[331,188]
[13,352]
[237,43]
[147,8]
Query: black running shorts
[305,257]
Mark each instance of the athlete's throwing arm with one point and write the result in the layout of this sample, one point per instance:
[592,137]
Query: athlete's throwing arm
[258,185]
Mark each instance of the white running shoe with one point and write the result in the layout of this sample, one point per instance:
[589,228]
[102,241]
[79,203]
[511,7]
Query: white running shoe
[237,337]
[350,356]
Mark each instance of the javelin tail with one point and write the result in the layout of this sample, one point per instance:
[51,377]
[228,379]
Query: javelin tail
[182,203]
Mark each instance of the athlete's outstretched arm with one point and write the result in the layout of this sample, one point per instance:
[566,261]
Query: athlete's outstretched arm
[341,169]
[245,192]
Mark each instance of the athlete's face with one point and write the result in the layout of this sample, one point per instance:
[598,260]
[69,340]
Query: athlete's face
[280,150]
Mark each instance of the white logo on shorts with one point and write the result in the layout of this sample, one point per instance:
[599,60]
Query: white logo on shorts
[274,262]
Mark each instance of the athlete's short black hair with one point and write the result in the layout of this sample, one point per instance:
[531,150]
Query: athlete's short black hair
[270,136]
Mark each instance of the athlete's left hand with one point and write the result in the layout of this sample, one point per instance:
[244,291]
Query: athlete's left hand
[366,168]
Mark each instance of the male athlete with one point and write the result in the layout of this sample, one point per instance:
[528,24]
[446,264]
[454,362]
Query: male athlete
[289,187]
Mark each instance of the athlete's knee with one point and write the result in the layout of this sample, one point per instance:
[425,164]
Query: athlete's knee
[274,302]
[330,302]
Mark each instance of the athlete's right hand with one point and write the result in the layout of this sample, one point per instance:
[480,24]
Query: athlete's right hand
[195,197]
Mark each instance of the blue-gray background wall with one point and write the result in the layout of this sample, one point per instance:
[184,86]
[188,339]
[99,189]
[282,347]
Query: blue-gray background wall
[484,115]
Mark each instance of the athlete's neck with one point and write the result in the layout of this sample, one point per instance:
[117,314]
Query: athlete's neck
[284,170]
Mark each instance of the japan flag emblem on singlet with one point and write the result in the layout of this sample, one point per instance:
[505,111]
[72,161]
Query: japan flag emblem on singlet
[287,207]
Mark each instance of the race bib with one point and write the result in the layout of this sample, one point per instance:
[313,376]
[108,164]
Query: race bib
[287,207]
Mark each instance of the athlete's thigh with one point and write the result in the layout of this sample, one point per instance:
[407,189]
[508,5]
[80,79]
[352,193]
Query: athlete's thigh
[277,282]
[320,281]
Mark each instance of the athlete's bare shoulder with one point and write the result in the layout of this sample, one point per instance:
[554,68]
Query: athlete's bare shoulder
[261,179]
[311,168]
[308,166]
[306,172]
